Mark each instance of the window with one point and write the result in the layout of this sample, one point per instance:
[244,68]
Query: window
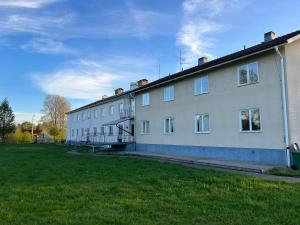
[202,123]
[169,125]
[110,130]
[102,130]
[78,117]
[77,133]
[145,99]
[88,114]
[250,120]
[82,116]
[95,131]
[102,112]
[145,128]
[121,108]
[72,133]
[111,110]
[248,74]
[201,85]
[82,131]
[96,112]
[169,93]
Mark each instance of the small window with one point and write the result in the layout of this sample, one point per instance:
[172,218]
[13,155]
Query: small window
[77,133]
[110,131]
[169,125]
[248,74]
[169,93]
[96,112]
[121,108]
[111,110]
[72,133]
[201,85]
[102,131]
[78,117]
[202,123]
[102,112]
[88,114]
[250,120]
[82,132]
[95,131]
[145,99]
[145,128]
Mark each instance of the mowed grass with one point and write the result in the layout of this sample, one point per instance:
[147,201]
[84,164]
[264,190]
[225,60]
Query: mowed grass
[41,184]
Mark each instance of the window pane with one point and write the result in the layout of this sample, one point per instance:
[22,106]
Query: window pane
[243,75]
[253,72]
[205,84]
[197,86]
[245,120]
[167,130]
[171,125]
[205,123]
[255,119]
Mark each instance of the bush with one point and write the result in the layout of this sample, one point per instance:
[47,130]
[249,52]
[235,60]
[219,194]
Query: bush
[16,137]
[27,138]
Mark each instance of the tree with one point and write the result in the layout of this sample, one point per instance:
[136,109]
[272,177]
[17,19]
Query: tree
[55,108]
[27,126]
[27,138]
[54,132]
[7,119]
[16,137]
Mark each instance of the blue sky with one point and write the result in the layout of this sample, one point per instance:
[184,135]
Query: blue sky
[85,49]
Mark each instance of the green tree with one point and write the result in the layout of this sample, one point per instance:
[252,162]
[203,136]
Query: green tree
[27,138]
[54,132]
[7,119]
[27,126]
[16,137]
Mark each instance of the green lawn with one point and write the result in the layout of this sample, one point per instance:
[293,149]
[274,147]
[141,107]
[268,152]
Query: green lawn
[281,171]
[41,184]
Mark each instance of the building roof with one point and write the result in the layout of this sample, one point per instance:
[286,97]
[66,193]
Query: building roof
[264,46]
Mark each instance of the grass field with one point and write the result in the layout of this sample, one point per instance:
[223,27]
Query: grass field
[41,184]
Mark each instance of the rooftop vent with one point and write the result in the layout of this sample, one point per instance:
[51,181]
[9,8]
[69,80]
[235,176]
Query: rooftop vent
[104,96]
[202,60]
[119,91]
[270,36]
[133,85]
[142,82]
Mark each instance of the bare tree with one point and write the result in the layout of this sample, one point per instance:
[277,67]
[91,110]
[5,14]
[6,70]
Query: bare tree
[54,110]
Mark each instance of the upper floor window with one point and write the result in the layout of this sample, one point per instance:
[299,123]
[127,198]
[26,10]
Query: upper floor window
[145,99]
[169,125]
[250,120]
[169,93]
[248,74]
[145,128]
[88,114]
[96,111]
[78,117]
[202,123]
[121,108]
[111,110]
[102,112]
[201,85]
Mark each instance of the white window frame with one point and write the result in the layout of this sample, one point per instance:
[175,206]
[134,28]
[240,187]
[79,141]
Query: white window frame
[169,119]
[250,121]
[121,107]
[96,113]
[110,128]
[143,127]
[201,79]
[78,117]
[146,99]
[248,74]
[169,93]
[102,130]
[102,112]
[202,118]
[95,129]
[111,110]
[72,132]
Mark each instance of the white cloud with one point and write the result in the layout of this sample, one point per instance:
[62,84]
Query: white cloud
[26,3]
[79,80]
[44,45]
[21,117]
[200,22]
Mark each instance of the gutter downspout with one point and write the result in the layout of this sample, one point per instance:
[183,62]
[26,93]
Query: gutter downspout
[284,106]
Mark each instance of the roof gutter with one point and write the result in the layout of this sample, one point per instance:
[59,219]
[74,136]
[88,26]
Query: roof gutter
[209,68]
[284,106]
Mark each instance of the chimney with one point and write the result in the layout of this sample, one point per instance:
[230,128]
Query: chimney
[133,85]
[119,91]
[270,36]
[104,96]
[202,60]
[142,82]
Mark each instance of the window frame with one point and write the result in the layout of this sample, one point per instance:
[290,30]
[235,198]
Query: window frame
[202,118]
[166,94]
[95,133]
[143,122]
[110,128]
[170,119]
[250,121]
[248,74]
[148,102]
[121,109]
[111,110]
[201,92]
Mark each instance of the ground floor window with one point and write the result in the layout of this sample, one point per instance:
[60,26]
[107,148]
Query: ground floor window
[250,120]
[202,123]
[95,131]
[72,132]
[77,132]
[82,131]
[102,130]
[169,125]
[145,127]
[110,130]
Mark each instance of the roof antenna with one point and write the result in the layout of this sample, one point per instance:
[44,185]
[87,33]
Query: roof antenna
[244,47]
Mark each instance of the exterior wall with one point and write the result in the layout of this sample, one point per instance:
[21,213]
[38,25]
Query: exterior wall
[223,103]
[292,54]
[74,124]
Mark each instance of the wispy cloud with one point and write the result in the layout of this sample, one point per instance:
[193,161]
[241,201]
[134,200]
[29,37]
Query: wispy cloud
[47,46]
[201,21]
[21,117]
[26,3]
